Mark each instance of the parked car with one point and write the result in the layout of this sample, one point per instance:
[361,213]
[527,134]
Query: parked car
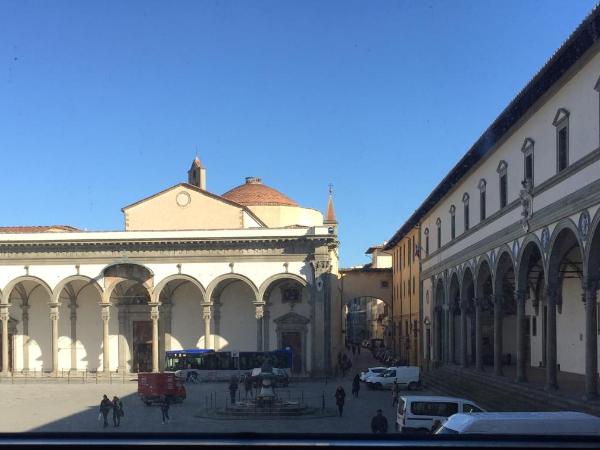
[532,423]
[405,376]
[370,372]
[420,413]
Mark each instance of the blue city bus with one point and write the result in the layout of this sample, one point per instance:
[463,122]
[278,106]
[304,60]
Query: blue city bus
[208,365]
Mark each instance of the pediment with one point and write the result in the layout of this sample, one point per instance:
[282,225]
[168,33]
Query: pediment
[291,318]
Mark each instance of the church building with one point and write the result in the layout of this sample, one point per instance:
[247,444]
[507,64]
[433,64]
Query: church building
[248,270]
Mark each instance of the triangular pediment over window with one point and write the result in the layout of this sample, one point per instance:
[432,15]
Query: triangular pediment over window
[291,318]
[560,115]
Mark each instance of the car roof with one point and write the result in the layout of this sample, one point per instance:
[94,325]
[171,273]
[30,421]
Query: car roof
[556,422]
[434,398]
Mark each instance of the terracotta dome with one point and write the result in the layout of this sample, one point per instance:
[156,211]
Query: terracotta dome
[253,192]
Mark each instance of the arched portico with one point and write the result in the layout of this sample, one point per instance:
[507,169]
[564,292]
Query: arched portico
[591,283]
[504,309]
[484,292]
[467,325]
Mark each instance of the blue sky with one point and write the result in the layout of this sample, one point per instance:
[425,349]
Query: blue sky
[103,103]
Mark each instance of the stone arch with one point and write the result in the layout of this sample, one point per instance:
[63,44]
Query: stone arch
[592,254]
[265,285]
[214,285]
[483,264]
[530,244]
[467,296]
[182,277]
[63,283]
[116,273]
[11,284]
[563,230]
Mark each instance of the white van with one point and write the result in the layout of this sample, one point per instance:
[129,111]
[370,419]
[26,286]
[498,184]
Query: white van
[419,413]
[527,423]
[405,376]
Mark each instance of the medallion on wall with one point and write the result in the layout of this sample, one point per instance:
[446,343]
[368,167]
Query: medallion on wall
[584,224]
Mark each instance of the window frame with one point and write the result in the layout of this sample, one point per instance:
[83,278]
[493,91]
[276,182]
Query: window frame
[466,212]
[438,223]
[426,241]
[482,199]
[452,222]
[502,171]
[528,152]
[561,122]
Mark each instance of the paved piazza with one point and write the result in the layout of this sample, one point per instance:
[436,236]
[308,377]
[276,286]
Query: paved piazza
[60,407]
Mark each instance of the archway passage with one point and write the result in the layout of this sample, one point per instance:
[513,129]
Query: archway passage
[565,310]
[135,326]
[467,310]
[504,313]
[286,319]
[484,328]
[454,335]
[531,339]
[591,286]
[439,323]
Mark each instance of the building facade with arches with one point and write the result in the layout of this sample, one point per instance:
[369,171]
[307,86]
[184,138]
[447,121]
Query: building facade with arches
[249,270]
[510,239]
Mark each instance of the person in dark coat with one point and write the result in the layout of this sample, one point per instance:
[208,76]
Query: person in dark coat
[248,386]
[379,423]
[165,405]
[356,385]
[105,407]
[395,393]
[340,398]
[117,411]
[233,387]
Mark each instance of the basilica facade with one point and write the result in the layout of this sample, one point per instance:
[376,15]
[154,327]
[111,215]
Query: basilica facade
[249,270]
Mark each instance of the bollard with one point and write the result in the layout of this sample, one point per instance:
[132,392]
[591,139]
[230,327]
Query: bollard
[323,402]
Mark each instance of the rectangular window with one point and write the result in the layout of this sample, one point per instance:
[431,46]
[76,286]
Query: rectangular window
[529,168]
[533,325]
[409,286]
[414,249]
[563,149]
[408,250]
[452,226]
[427,245]
[414,285]
[503,191]
[482,206]
[466,216]
[439,237]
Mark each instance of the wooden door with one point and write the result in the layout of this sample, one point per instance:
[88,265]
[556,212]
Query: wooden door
[142,346]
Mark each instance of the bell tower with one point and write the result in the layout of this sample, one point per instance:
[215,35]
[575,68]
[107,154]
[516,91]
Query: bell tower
[197,174]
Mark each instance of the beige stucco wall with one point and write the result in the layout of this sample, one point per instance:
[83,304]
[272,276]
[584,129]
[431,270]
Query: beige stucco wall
[163,212]
[284,216]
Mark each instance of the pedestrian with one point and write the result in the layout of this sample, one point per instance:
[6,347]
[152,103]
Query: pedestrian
[248,386]
[233,387]
[340,398]
[164,409]
[117,411]
[105,407]
[356,385]
[395,393]
[379,423]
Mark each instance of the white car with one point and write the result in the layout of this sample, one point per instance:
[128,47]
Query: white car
[532,423]
[407,377]
[421,413]
[370,372]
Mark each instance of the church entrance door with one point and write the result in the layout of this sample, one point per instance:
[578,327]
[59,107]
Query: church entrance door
[293,340]
[142,346]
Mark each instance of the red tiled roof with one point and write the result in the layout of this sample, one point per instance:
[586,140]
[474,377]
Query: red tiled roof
[253,192]
[38,229]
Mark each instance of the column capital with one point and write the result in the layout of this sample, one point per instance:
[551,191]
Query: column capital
[53,305]
[105,304]
[154,314]
[206,312]
[260,310]
[4,315]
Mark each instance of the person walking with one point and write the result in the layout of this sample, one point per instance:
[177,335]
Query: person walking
[340,398]
[379,423]
[248,386]
[233,387]
[164,409]
[105,406]
[395,393]
[117,411]
[356,385]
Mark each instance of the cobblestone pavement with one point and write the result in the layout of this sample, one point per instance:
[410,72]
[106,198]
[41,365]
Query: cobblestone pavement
[61,407]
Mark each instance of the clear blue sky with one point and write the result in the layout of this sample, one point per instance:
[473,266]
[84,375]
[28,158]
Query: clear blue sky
[103,103]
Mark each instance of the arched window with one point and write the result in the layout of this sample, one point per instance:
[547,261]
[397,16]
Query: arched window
[426,241]
[465,200]
[527,150]
[438,222]
[452,222]
[502,172]
[482,185]
[561,122]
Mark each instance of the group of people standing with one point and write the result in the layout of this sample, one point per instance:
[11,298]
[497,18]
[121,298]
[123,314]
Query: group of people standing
[106,406]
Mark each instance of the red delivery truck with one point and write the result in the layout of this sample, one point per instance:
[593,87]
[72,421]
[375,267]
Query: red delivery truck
[152,387]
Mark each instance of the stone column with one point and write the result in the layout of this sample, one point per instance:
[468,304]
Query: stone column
[206,314]
[464,304]
[105,314]
[259,325]
[54,323]
[122,339]
[4,319]
[498,313]
[73,317]
[25,318]
[478,336]
[520,298]
[591,339]
[451,335]
[551,372]
[154,314]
